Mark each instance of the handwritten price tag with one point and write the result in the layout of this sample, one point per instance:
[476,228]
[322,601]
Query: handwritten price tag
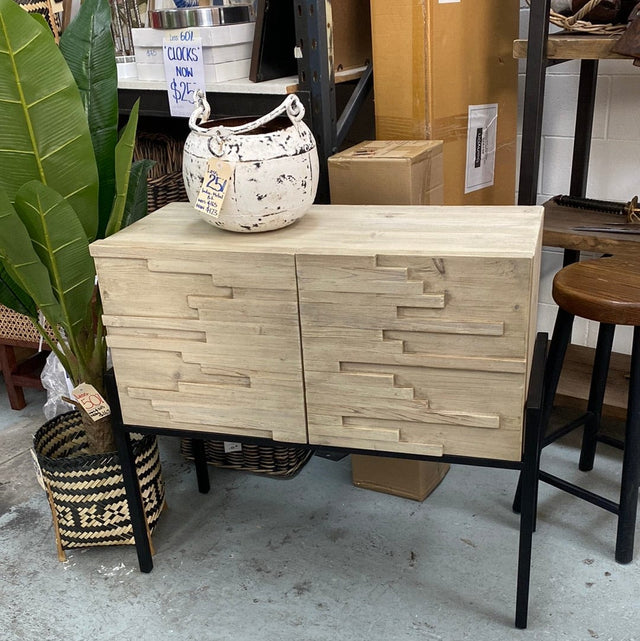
[91,400]
[183,69]
[214,187]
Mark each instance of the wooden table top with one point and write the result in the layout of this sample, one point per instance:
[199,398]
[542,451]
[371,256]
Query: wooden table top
[559,224]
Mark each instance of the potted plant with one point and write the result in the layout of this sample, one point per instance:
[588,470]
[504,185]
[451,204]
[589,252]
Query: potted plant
[68,179]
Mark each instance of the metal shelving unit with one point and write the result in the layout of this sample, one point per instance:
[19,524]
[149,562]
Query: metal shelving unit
[315,86]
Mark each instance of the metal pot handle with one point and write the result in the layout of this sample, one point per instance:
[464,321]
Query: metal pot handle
[291,105]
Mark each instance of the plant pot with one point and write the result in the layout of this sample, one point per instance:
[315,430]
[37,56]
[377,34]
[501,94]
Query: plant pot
[86,491]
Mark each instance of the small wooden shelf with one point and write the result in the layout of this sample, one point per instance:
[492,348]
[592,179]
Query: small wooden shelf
[573,390]
[574,47]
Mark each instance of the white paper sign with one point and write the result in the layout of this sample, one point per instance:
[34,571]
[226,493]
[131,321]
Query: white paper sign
[232,447]
[481,147]
[183,69]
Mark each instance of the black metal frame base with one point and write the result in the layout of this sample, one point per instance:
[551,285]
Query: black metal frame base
[528,466]
[626,508]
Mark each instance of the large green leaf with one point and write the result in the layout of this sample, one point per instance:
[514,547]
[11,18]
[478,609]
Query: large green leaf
[124,156]
[62,246]
[23,263]
[87,45]
[43,128]
[137,205]
[14,297]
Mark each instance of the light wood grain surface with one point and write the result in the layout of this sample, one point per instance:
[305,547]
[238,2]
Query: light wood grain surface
[574,47]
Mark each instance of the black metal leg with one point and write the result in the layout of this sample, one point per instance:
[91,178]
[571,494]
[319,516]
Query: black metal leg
[202,470]
[630,463]
[132,487]
[553,368]
[601,362]
[529,479]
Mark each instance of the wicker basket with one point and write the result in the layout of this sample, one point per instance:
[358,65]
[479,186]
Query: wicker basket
[165,184]
[17,327]
[576,24]
[279,461]
[86,491]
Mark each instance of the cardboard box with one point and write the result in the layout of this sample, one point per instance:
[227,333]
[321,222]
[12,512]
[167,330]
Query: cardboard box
[401,477]
[438,66]
[388,173]
[351,34]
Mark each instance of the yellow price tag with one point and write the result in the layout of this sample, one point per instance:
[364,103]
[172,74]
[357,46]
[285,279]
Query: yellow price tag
[214,187]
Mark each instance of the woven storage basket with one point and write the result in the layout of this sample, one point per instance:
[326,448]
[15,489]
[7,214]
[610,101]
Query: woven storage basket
[278,461]
[165,183]
[86,491]
[576,24]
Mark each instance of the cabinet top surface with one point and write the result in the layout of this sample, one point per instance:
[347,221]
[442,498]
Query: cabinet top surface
[344,229]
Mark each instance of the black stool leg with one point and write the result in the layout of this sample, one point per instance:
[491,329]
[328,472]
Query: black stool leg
[630,462]
[601,362]
[553,367]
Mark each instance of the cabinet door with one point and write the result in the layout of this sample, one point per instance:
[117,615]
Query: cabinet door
[416,354]
[206,341]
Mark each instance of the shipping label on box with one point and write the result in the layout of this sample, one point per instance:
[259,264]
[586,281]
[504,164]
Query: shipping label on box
[481,147]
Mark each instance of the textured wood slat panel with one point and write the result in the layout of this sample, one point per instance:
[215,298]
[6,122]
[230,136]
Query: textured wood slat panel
[357,405]
[391,353]
[216,356]
[239,311]
[403,346]
[435,300]
[351,440]
[383,385]
[361,433]
[194,328]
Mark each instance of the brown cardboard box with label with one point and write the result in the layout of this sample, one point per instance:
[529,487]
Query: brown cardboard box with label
[401,477]
[445,70]
[405,172]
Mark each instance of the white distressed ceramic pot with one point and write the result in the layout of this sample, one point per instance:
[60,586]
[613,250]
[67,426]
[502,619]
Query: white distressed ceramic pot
[273,165]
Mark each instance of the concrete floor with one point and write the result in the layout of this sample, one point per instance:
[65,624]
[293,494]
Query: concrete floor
[314,558]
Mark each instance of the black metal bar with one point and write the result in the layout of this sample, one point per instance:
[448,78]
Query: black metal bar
[570,256]
[202,469]
[530,465]
[553,368]
[357,98]
[314,44]
[599,376]
[584,127]
[533,101]
[579,492]
[564,430]
[630,462]
[131,484]
[610,440]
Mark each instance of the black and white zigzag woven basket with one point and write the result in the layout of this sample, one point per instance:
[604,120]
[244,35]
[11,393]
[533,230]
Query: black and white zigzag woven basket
[86,491]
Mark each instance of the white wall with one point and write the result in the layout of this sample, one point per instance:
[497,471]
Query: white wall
[614,168]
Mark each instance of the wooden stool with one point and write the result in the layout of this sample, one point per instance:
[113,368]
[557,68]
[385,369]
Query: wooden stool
[606,290]
[17,331]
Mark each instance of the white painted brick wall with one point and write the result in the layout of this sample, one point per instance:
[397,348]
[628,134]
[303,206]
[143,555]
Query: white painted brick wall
[614,167]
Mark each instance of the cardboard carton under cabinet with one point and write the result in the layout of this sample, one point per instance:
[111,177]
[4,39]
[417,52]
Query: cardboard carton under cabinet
[388,172]
[401,477]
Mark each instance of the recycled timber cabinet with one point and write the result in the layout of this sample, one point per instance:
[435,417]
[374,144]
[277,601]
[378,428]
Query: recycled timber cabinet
[397,329]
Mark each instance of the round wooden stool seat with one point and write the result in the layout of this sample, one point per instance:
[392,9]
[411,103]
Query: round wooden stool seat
[606,290]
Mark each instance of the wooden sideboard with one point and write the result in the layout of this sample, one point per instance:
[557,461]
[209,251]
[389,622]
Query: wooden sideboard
[398,329]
